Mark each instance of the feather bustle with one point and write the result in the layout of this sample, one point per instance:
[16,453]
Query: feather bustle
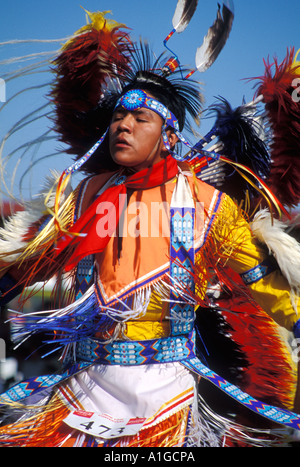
[276,87]
[254,332]
[239,133]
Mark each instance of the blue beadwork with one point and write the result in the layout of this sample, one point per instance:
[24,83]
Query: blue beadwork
[296,329]
[164,350]
[182,262]
[133,99]
[258,272]
[137,99]
[119,180]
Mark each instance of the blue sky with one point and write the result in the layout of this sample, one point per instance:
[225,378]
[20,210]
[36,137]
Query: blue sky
[261,29]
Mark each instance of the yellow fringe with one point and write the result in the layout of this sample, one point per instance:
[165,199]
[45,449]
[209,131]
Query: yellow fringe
[223,244]
[45,240]
[50,234]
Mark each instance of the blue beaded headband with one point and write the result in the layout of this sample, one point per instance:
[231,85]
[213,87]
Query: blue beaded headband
[137,99]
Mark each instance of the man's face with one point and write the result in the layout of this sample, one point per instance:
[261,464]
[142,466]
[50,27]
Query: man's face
[135,138]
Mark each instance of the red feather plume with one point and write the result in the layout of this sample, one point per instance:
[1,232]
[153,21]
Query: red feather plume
[96,54]
[277,87]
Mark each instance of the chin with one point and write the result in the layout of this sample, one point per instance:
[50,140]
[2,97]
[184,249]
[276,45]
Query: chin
[124,162]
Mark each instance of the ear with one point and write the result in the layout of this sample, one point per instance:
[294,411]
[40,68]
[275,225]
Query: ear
[173,139]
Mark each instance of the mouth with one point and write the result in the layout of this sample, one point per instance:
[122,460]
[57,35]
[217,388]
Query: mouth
[121,143]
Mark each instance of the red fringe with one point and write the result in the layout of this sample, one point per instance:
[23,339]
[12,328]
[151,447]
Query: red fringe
[269,376]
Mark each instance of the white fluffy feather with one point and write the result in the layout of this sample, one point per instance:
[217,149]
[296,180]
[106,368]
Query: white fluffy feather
[281,245]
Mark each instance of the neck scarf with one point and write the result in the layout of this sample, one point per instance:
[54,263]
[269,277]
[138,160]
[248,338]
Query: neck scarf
[85,237]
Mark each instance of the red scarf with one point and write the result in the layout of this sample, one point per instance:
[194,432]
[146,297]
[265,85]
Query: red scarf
[89,242]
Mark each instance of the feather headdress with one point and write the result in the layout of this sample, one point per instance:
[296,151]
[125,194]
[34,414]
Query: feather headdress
[92,69]
[95,54]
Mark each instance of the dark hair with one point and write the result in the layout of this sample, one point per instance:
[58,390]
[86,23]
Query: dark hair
[162,90]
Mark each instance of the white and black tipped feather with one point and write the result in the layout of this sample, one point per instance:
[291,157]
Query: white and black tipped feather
[184,12]
[216,38]
[214,174]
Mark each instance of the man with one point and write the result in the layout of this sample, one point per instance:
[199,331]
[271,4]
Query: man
[129,333]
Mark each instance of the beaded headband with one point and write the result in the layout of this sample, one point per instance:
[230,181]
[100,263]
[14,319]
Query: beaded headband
[137,98]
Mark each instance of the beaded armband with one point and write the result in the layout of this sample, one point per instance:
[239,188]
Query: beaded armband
[296,329]
[258,272]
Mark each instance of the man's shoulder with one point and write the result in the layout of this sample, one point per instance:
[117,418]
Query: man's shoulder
[89,187]
[202,190]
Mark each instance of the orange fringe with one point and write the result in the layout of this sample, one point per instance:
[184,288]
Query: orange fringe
[169,433]
[47,429]
[38,430]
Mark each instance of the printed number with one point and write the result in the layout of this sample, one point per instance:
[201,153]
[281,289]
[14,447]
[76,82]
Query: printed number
[114,433]
[103,429]
[88,425]
[118,432]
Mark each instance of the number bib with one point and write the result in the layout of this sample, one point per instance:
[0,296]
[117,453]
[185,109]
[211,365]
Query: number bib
[103,425]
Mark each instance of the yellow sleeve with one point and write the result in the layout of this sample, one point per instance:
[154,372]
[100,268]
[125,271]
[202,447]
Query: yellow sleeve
[243,253]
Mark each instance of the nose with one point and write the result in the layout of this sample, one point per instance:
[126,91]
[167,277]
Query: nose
[126,123]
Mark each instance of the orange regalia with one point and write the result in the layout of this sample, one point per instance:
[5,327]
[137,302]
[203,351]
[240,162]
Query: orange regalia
[129,302]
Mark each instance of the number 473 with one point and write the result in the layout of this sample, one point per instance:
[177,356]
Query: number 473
[103,430]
